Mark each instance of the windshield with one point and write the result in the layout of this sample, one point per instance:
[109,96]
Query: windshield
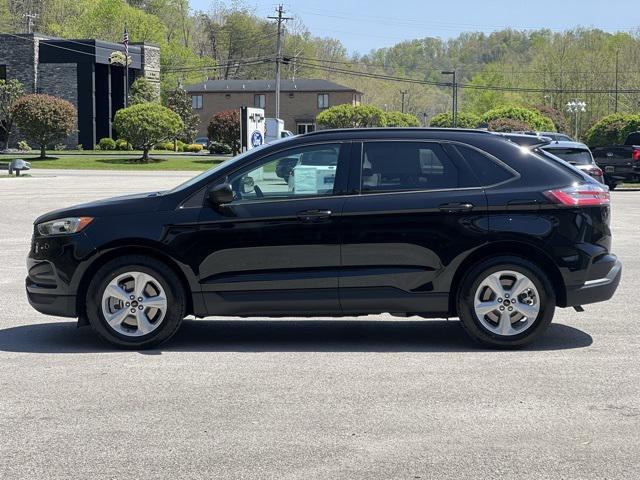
[575,156]
[215,169]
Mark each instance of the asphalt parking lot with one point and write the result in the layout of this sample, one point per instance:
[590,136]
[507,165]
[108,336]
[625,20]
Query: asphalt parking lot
[364,398]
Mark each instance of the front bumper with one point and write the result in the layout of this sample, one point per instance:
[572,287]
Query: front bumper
[598,290]
[50,303]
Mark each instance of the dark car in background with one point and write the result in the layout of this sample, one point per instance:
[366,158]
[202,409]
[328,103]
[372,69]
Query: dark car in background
[428,222]
[620,163]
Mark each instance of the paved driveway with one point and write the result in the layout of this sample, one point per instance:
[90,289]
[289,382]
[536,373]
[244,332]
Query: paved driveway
[363,398]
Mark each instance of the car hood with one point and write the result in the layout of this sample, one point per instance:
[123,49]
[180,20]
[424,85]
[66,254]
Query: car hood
[127,204]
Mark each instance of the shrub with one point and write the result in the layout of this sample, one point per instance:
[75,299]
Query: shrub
[556,116]
[107,144]
[122,144]
[465,120]
[612,129]
[79,147]
[531,119]
[142,92]
[44,119]
[10,92]
[224,127]
[146,124]
[60,146]
[194,148]
[399,119]
[179,101]
[24,146]
[219,148]
[506,125]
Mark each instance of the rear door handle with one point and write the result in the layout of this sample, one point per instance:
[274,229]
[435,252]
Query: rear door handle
[313,215]
[455,207]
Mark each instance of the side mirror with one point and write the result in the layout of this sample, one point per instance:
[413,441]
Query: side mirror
[220,194]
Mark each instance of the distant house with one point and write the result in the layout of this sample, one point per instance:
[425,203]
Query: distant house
[81,71]
[300,100]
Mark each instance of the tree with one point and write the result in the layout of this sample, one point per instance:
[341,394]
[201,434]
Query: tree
[348,116]
[556,116]
[179,101]
[142,91]
[464,120]
[44,119]
[533,119]
[146,124]
[10,92]
[507,125]
[224,127]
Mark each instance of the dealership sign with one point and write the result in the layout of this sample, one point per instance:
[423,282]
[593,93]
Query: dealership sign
[252,127]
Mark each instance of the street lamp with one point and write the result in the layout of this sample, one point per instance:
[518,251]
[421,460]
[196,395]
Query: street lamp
[576,107]
[454,96]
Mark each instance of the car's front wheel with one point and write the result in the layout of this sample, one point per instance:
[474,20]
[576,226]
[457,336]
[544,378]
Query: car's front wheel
[506,302]
[135,302]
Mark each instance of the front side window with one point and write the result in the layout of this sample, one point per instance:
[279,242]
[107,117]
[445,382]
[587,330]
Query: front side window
[300,172]
[323,100]
[196,102]
[259,100]
[404,166]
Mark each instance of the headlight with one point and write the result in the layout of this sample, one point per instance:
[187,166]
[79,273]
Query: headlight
[64,225]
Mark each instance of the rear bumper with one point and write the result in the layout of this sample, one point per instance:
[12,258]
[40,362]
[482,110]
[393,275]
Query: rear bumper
[50,303]
[598,290]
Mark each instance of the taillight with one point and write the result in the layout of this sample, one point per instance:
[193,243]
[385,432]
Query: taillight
[595,171]
[636,154]
[581,195]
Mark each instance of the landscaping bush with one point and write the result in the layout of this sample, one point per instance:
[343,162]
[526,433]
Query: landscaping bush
[79,147]
[219,148]
[445,120]
[506,125]
[107,144]
[194,148]
[556,116]
[146,124]
[224,127]
[399,119]
[531,119]
[612,129]
[360,116]
[44,119]
[24,146]
[122,144]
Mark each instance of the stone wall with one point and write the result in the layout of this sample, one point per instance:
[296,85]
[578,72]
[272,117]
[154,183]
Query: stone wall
[20,55]
[151,65]
[61,80]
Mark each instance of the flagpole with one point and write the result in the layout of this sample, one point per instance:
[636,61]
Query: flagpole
[125,41]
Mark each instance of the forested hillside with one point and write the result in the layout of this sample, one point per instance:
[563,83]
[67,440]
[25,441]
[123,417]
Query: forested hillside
[540,67]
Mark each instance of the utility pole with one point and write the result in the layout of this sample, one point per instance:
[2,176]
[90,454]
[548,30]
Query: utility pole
[403,93]
[30,18]
[280,19]
[454,97]
[615,108]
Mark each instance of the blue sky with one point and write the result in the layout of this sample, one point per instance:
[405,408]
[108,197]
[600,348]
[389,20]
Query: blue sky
[363,25]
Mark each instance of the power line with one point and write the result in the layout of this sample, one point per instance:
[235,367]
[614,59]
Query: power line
[280,19]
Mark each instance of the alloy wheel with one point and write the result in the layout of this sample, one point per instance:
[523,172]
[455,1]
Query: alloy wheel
[134,304]
[507,303]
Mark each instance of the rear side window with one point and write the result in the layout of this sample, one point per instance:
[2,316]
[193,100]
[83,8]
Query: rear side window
[486,170]
[403,166]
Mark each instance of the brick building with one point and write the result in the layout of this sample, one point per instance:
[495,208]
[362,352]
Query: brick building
[80,71]
[300,100]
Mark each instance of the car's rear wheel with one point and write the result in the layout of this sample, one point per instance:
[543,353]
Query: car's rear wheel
[135,302]
[506,302]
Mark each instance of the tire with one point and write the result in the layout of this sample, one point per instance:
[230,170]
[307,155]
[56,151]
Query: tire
[612,186]
[519,330]
[135,330]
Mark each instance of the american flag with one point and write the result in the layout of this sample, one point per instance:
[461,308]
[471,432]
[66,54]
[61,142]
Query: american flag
[125,41]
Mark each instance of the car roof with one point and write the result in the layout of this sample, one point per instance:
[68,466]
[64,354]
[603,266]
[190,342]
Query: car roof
[565,144]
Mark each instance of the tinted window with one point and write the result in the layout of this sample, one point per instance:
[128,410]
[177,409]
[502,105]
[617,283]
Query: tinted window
[303,171]
[575,156]
[487,171]
[397,166]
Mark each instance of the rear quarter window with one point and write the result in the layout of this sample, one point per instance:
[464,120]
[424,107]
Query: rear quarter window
[487,171]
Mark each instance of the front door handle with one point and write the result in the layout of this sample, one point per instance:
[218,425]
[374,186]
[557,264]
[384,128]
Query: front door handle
[455,207]
[314,215]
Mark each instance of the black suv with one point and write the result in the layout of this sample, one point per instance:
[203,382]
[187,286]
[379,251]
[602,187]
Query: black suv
[428,222]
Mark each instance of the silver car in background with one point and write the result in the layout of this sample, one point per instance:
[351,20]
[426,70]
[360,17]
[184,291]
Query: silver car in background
[577,154]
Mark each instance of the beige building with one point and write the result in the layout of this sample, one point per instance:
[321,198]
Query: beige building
[300,100]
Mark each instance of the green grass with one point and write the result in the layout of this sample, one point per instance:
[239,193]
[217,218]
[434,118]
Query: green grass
[121,161]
